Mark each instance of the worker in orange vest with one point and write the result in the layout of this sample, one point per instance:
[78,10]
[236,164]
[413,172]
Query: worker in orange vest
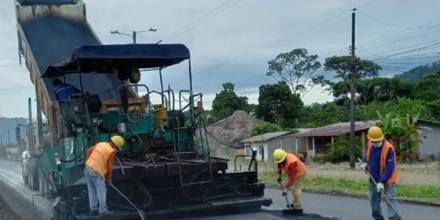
[99,168]
[295,170]
[381,163]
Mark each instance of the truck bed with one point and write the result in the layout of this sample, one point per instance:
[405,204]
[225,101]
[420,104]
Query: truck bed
[52,40]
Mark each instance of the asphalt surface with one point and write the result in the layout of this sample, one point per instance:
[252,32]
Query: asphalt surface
[316,206]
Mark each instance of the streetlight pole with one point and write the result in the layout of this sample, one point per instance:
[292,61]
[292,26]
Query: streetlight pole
[133,34]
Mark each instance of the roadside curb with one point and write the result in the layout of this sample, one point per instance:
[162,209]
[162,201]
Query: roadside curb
[340,193]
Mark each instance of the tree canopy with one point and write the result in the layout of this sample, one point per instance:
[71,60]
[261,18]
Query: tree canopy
[227,101]
[374,89]
[265,128]
[277,104]
[428,89]
[342,65]
[298,69]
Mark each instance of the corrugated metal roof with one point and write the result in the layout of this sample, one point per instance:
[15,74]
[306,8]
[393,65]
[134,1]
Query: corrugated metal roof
[266,136]
[335,129]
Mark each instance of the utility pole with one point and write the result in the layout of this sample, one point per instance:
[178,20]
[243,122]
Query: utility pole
[352,89]
[30,145]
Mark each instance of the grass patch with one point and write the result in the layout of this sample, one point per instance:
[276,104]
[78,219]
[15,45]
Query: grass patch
[416,193]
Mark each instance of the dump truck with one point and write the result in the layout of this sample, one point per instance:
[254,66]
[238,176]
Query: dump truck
[166,168]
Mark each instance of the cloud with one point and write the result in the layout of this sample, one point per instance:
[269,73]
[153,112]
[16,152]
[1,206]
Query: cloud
[234,44]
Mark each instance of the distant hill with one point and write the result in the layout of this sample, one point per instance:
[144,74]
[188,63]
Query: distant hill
[415,74]
[10,124]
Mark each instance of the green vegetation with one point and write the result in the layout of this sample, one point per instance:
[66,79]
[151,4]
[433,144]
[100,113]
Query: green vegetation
[265,128]
[342,66]
[417,73]
[277,104]
[340,150]
[426,193]
[317,115]
[298,69]
[227,101]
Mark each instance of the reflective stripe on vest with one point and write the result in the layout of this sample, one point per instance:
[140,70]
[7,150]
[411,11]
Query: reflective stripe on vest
[300,166]
[99,157]
[395,176]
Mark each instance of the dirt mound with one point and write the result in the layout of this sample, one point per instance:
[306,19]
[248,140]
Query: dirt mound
[231,130]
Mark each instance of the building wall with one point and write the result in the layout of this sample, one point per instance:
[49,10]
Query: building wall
[430,141]
[262,150]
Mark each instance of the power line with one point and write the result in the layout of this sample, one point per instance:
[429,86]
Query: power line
[202,19]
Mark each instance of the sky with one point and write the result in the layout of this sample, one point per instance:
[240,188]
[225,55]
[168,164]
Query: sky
[232,40]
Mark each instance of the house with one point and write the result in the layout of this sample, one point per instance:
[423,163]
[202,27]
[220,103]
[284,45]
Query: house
[317,141]
[429,133]
[266,143]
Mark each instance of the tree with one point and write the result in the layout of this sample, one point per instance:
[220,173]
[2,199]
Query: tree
[428,89]
[374,89]
[277,104]
[227,101]
[297,69]
[317,115]
[342,65]
[265,128]
[402,131]
[400,106]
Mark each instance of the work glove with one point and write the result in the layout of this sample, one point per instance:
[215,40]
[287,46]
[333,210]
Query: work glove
[363,165]
[380,187]
[285,192]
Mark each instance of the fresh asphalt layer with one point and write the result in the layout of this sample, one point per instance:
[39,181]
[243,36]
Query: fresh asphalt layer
[316,206]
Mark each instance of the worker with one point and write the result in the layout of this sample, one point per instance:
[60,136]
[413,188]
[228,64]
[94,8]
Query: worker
[99,168]
[63,90]
[380,158]
[295,170]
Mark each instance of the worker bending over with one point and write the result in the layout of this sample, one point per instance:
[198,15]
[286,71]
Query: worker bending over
[99,168]
[380,159]
[295,170]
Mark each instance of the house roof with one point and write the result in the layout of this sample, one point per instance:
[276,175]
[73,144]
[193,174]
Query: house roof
[266,136]
[335,129]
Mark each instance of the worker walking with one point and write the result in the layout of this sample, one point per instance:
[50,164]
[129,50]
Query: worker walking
[99,168]
[295,170]
[381,162]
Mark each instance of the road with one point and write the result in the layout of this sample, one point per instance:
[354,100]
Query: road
[329,206]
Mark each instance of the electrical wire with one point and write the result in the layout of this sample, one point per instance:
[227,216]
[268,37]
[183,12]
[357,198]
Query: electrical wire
[202,19]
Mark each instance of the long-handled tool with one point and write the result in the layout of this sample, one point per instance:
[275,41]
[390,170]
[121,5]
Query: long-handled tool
[139,211]
[290,208]
[387,200]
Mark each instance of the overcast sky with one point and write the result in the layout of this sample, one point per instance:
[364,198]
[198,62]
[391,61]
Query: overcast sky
[232,40]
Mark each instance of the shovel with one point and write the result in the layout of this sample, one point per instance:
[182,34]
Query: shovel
[387,200]
[290,210]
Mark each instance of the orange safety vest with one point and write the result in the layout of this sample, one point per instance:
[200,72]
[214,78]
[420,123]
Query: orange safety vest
[300,166]
[99,157]
[395,176]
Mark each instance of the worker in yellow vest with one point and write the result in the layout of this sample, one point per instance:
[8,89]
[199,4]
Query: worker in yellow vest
[381,163]
[295,170]
[99,168]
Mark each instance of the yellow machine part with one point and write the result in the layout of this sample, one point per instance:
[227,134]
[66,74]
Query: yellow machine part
[160,115]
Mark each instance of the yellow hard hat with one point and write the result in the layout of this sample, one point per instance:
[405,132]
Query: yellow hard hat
[118,141]
[279,155]
[375,134]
